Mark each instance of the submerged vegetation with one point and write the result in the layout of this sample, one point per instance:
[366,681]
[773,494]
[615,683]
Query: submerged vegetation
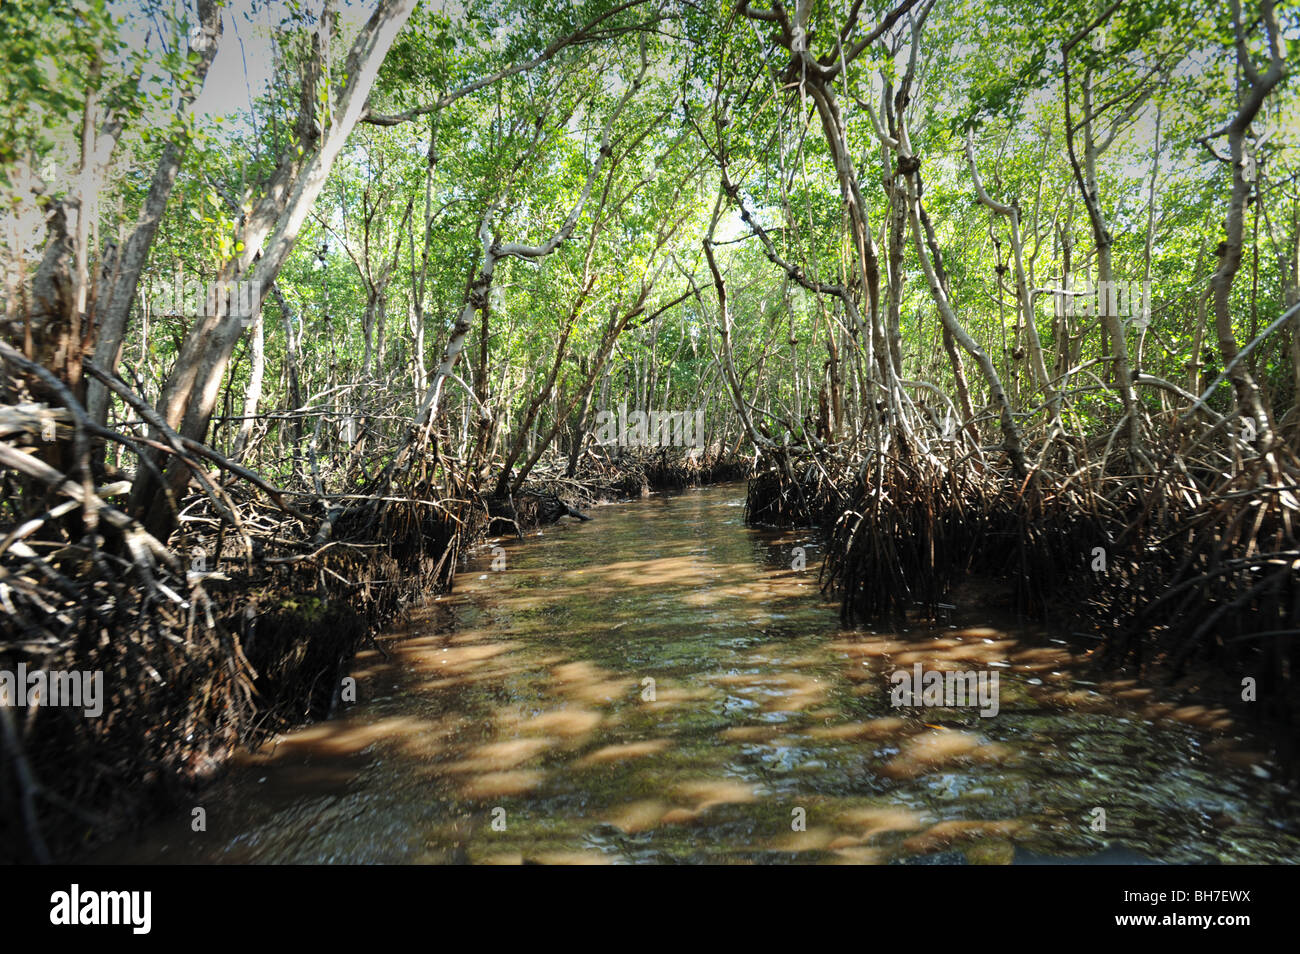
[302,301]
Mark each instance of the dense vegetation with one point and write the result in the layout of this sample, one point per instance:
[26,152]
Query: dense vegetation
[973,285]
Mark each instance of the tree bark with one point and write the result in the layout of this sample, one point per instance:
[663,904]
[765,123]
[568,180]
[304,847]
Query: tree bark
[190,391]
[130,263]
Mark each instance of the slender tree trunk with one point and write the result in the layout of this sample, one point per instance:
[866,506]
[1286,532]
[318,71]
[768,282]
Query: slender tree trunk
[1258,88]
[130,263]
[253,393]
[190,392]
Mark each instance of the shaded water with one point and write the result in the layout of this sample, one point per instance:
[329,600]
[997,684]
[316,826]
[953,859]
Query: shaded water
[513,722]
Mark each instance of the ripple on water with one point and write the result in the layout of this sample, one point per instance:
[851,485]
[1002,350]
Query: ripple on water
[658,685]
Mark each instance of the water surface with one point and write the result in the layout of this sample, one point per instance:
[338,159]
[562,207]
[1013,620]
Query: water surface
[661,684]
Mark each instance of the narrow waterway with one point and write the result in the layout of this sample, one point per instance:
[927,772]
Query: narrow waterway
[663,684]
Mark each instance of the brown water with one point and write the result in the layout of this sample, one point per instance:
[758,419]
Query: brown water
[513,722]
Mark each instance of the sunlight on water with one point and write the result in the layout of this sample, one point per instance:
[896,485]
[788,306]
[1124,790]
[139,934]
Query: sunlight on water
[660,685]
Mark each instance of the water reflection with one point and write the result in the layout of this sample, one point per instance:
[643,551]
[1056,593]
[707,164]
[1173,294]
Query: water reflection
[660,685]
